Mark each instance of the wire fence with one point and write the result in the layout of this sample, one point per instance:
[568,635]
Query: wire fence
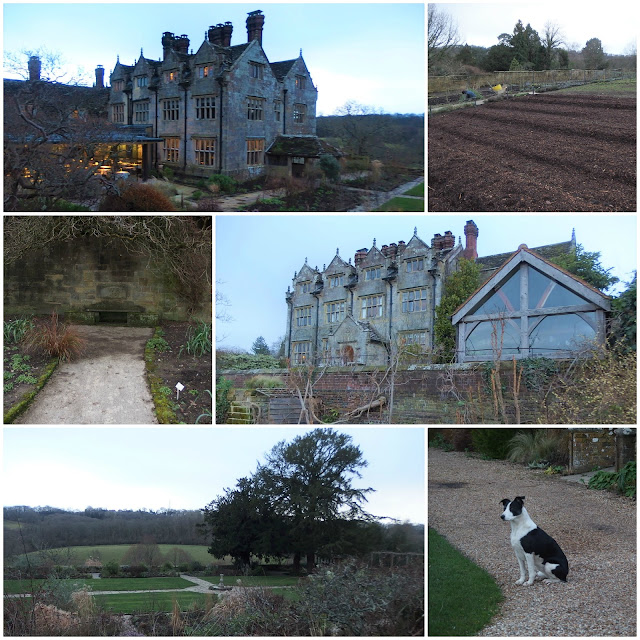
[522,80]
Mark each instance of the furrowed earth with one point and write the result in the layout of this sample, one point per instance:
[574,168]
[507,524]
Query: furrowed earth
[551,152]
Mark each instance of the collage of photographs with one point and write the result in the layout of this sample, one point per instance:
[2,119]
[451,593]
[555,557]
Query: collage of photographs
[235,193]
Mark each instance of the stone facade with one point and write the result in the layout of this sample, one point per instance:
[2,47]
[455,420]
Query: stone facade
[92,280]
[218,110]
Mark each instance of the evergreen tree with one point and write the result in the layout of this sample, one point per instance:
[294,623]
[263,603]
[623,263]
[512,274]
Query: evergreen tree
[624,322]
[593,55]
[260,347]
[586,265]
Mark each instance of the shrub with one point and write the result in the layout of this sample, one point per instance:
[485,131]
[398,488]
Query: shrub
[223,400]
[54,338]
[208,204]
[330,167]
[111,569]
[536,446]
[196,195]
[14,330]
[264,382]
[137,197]
[226,184]
[493,443]
[244,361]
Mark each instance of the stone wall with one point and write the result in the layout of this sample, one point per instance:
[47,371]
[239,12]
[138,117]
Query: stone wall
[591,449]
[88,276]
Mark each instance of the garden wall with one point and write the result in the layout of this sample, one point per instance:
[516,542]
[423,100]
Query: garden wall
[421,396]
[91,280]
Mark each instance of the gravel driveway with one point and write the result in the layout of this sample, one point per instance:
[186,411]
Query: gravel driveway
[596,530]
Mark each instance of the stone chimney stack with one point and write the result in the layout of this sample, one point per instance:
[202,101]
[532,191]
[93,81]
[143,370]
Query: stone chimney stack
[181,44]
[215,34]
[448,240]
[227,30]
[34,68]
[393,251]
[167,43]
[99,77]
[385,250]
[255,22]
[436,242]
[471,240]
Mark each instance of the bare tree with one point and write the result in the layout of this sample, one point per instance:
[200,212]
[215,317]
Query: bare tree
[361,126]
[551,41]
[442,36]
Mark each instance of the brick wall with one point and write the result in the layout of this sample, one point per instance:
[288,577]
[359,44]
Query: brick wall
[590,449]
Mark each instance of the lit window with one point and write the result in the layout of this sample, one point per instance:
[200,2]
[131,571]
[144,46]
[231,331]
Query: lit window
[204,71]
[373,274]
[371,307]
[299,112]
[415,264]
[335,311]
[171,109]
[170,76]
[205,108]
[301,352]
[414,300]
[303,317]
[171,149]
[255,108]
[301,82]
[205,151]
[255,152]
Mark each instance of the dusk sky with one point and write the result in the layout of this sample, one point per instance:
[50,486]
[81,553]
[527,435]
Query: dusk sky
[186,468]
[370,53]
[257,256]
[613,23]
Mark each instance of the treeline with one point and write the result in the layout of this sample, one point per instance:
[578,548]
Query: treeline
[49,527]
[390,138]
[522,49]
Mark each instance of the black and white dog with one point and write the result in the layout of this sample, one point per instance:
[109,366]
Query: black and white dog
[541,553]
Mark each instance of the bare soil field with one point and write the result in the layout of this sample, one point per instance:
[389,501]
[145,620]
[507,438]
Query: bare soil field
[560,152]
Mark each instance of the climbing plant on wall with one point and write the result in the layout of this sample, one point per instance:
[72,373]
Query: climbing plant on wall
[179,246]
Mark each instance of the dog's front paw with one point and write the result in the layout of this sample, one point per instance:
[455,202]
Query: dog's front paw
[520,581]
[528,583]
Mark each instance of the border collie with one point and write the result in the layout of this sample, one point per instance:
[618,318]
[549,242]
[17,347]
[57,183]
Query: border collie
[543,556]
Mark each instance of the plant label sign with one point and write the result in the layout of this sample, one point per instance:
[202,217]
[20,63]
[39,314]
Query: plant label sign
[179,387]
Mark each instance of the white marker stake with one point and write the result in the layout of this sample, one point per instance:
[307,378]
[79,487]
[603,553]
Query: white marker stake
[179,387]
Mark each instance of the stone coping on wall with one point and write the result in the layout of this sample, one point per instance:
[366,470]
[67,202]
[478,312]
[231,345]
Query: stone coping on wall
[464,366]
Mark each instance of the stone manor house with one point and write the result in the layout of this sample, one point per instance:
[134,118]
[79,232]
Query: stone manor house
[359,313]
[223,109]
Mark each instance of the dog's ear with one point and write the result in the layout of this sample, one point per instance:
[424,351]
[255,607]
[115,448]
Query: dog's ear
[505,502]
[521,498]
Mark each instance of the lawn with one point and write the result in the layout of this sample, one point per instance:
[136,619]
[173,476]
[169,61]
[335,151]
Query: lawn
[402,204]
[149,602]
[627,85]
[255,581]
[462,597]
[104,584]
[418,190]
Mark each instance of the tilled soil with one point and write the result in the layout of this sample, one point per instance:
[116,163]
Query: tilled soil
[596,530]
[536,153]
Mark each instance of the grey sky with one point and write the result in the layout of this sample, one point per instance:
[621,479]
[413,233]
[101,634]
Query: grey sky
[613,23]
[371,53]
[186,468]
[256,256]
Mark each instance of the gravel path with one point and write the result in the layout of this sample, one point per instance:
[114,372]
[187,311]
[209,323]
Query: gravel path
[596,530]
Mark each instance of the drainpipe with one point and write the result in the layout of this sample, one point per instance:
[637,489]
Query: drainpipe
[390,314]
[284,111]
[221,83]
[290,330]
[315,339]
[184,164]
[155,132]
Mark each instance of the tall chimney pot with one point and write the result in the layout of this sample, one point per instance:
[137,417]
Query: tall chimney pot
[471,240]
[34,68]
[255,23]
[99,77]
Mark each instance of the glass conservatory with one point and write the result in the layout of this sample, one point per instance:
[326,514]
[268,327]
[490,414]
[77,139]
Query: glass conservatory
[529,308]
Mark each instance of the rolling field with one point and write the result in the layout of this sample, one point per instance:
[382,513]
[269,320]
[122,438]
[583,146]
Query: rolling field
[559,151]
[115,552]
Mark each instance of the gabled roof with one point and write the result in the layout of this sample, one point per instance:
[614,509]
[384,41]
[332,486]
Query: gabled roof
[524,254]
[337,263]
[306,272]
[280,69]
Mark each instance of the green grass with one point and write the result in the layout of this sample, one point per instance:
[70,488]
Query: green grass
[402,204]
[104,584]
[255,581]
[628,85]
[418,190]
[115,552]
[148,602]
[462,597]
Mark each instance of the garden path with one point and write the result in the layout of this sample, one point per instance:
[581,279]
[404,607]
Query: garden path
[376,199]
[107,384]
[596,530]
